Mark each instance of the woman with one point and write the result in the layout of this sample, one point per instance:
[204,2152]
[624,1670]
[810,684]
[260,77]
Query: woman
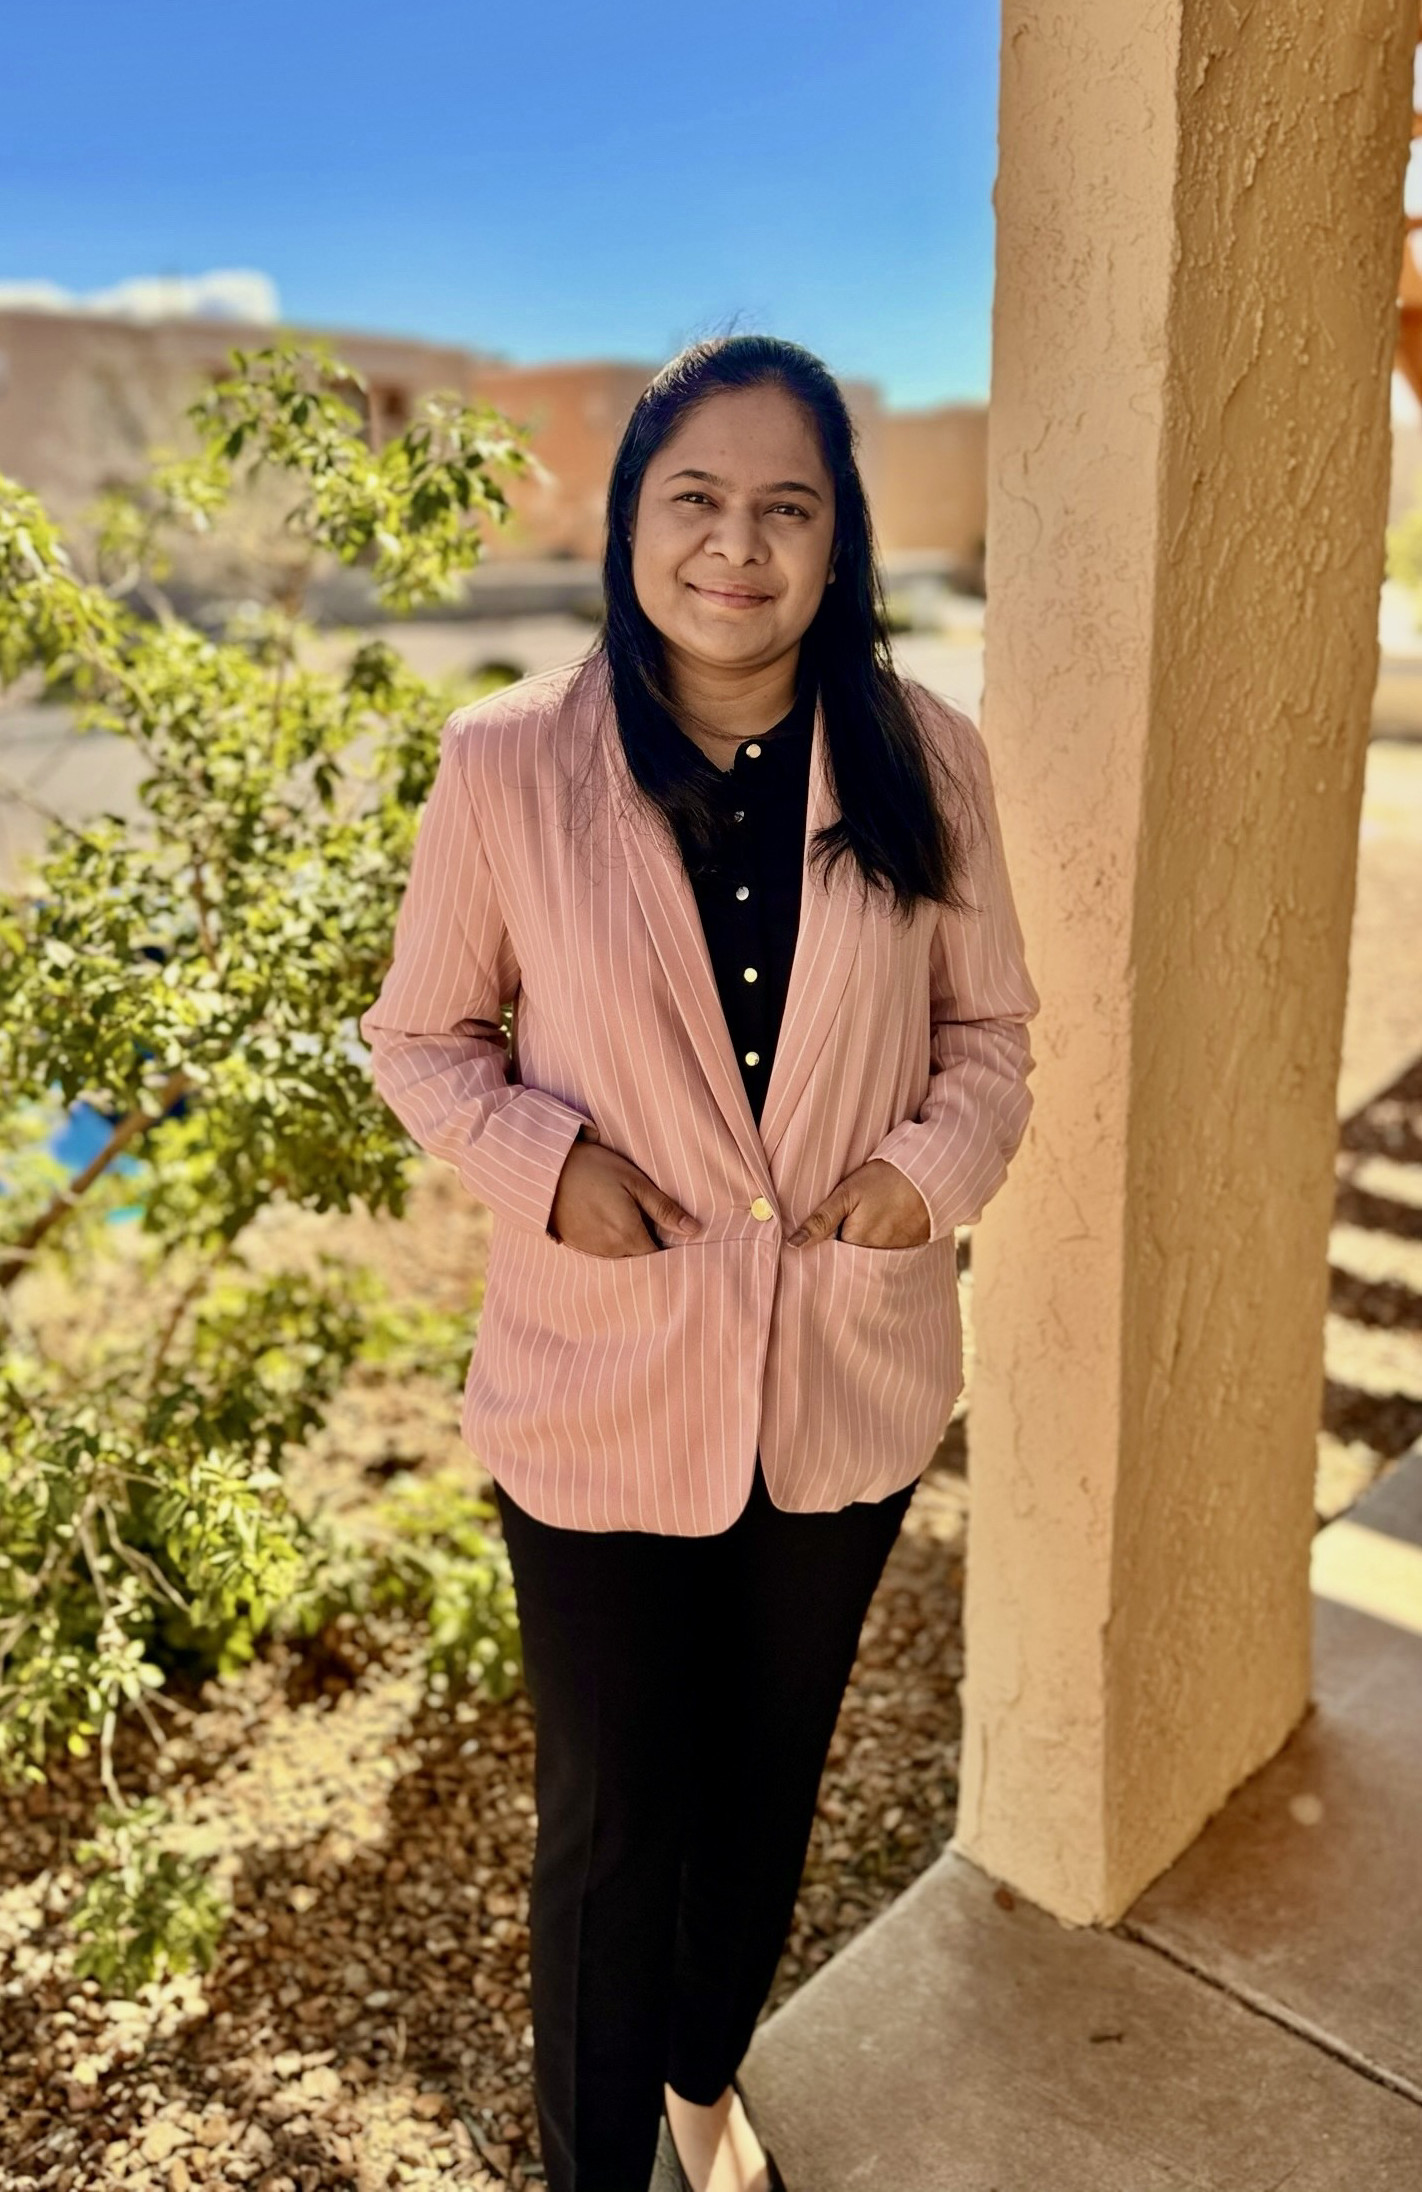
[747,888]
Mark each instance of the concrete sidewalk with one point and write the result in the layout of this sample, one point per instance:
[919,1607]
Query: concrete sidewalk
[1253,2023]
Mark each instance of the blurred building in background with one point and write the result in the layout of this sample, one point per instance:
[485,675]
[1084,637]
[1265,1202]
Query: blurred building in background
[84,396]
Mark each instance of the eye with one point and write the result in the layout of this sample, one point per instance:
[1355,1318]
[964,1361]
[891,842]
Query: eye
[689,494]
[793,507]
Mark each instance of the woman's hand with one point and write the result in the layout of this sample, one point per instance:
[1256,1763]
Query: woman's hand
[603,1201]
[886,1208]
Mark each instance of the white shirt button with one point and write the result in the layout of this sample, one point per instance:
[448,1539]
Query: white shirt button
[752,1057]
[752,751]
[750,973]
[742,890]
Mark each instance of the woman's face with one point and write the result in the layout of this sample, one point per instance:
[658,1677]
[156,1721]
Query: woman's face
[733,529]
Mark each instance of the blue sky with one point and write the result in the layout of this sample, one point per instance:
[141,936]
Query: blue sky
[547,179]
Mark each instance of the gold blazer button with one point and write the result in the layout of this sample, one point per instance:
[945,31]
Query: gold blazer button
[760,1208]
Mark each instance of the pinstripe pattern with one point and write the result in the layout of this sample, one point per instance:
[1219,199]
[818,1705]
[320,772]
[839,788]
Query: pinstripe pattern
[632,1392]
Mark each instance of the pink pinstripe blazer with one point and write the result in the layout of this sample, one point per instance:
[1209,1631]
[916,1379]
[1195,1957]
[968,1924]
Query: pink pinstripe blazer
[632,1392]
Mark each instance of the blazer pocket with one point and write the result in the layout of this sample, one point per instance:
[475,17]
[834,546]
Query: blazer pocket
[918,1251]
[589,1255]
[877,1336]
[557,1303]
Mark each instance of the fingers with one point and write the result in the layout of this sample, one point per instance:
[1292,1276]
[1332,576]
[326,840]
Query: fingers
[888,1210]
[824,1221]
[607,1206]
[658,1205]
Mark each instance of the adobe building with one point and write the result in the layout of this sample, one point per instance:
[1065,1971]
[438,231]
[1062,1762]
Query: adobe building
[933,486]
[83,397]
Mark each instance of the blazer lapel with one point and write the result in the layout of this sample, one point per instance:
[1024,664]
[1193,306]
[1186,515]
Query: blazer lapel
[824,949]
[825,945]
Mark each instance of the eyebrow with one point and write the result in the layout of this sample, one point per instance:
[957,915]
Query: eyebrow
[771,487]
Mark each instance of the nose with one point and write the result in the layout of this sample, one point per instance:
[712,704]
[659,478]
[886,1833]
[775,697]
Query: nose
[737,536]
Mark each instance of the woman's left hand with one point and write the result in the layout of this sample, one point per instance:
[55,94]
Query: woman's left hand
[886,1208]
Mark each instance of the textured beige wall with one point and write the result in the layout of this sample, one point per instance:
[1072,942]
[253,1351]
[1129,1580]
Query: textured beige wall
[1199,227]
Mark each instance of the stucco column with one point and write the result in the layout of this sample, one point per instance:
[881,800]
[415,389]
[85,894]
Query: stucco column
[1199,228]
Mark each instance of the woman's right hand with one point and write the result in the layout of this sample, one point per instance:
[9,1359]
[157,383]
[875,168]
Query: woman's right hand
[600,1204]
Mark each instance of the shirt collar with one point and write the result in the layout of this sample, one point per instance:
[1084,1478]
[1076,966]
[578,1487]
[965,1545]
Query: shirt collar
[786,742]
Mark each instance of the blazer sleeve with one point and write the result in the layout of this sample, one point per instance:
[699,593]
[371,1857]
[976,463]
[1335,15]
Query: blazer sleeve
[439,1057]
[957,1150]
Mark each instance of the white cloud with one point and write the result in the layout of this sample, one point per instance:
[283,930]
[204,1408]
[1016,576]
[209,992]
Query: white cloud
[226,293]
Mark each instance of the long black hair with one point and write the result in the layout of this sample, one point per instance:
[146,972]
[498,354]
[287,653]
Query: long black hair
[903,837]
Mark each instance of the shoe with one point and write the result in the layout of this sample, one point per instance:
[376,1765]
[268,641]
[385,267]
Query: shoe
[669,2175]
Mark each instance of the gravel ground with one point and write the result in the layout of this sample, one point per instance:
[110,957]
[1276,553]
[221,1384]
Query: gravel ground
[366,2022]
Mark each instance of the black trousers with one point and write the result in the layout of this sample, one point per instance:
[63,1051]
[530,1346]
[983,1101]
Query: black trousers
[685,1691]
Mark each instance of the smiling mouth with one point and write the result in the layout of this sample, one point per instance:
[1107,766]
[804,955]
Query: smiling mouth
[730,596]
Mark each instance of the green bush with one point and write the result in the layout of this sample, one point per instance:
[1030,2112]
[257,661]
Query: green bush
[197,978]
[146,1912]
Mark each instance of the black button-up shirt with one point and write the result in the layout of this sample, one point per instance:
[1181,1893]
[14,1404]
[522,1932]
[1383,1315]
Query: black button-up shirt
[750,903]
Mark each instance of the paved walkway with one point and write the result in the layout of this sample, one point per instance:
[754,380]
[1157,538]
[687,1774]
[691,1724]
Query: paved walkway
[1254,2023]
